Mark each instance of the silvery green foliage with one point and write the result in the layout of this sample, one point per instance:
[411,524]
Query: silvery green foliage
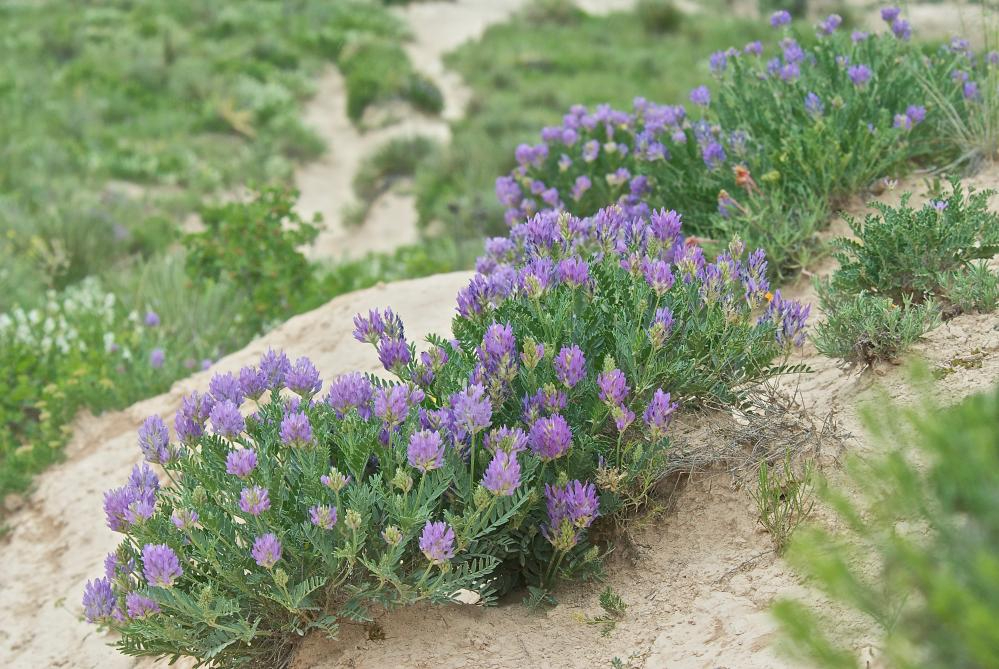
[286,510]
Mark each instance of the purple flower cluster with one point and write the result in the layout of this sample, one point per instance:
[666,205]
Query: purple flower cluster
[350,391]
[789,317]
[392,403]
[303,379]
[659,413]
[502,477]
[571,509]
[266,550]
[134,502]
[570,366]
[226,388]
[437,542]
[160,565]
[254,500]
[241,462]
[323,516]
[154,441]
[426,450]
[189,421]
[296,430]
[226,419]
[99,601]
[550,438]
[274,365]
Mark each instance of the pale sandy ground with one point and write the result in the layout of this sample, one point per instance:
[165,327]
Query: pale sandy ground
[698,583]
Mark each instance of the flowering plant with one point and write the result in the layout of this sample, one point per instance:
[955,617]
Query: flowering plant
[288,509]
[763,153]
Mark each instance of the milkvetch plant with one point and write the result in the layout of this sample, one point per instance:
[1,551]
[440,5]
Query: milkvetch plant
[782,133]
[282,504]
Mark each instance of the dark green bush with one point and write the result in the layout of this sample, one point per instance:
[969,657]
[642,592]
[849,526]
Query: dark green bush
[254,246]
[659,16]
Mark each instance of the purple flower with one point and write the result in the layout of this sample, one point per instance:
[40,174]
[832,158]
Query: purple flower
[661,327]
[350,391]
[790,72]
[623,417]
[901,29]
[241,462]
[718,61]
[916,113]
[659,413]
[789,317]
[140,606]
[183,519]
[156,358]
[226,419]
[160,565]
[889,14]
[226,387]
[98,600]
[437,542]
[755,48]
[303,378]
[713,154]
[323,516]
[392,403]
[426,450]
[152,319]
[154,441]
[507,192]
[570,366]
[830,24]
[859,74]
[970,90]
[502,477]
[701,96]
[252,382]
[813,104]
[266,550]
[275,366]
[613,386]
[658,274]
[939,205]
[550,438]
[574,271]
[296,430]
[254,500]
[581,185]
[570,509]
[780,18]
[511,440]
[471,410]
[858,36]
[189,421]
[665,225]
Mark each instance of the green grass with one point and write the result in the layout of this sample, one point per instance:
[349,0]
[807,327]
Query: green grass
[116,113]
[526,75]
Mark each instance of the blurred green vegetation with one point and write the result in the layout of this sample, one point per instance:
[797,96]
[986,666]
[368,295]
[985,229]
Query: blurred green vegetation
[916,550]
[525,75]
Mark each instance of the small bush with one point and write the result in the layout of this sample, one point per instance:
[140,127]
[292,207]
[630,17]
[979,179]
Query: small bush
[917,552]
[253,246]
[379,71]
[975,288]
[866,328]
[659,16]
[906,254]
[481,469]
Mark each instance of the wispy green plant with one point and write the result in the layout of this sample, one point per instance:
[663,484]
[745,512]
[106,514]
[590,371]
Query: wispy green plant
[916,552]
[784,499]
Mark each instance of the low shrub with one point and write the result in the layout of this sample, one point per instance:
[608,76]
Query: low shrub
[482,469]
[905,253]
[379,71]
[903,270]
[866,328]
[254,247]
[915,552]
[766,148]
